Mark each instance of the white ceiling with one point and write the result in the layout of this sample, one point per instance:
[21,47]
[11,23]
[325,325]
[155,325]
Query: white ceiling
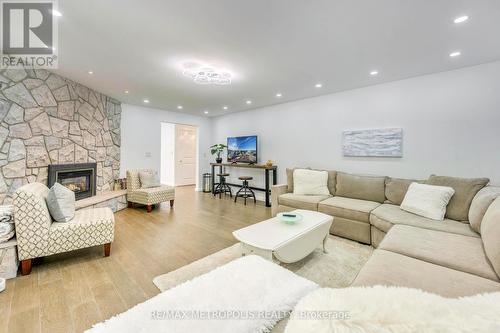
[271,46]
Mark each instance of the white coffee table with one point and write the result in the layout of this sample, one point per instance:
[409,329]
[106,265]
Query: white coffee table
[287,243]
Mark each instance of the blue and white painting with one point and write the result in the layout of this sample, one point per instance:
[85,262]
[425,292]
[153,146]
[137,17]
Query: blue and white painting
[385,142]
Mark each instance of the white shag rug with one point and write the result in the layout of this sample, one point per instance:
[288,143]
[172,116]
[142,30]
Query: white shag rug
[394,310]
[256,292]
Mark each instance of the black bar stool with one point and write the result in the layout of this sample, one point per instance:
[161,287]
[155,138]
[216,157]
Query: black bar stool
[245,191]
[222,187]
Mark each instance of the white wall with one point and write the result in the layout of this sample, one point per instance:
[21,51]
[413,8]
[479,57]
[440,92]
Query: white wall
[141,137]
[167,155]
[451,124]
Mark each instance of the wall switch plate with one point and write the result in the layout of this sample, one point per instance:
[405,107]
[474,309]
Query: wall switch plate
[147,154]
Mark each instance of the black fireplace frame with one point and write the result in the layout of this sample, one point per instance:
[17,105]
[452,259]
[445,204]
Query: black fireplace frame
[55,169]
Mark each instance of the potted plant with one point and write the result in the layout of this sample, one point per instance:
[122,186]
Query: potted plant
[217,150]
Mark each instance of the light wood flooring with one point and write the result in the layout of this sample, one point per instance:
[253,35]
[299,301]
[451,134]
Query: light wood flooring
[70,292]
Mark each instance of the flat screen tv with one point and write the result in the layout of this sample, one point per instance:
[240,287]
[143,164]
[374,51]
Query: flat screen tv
[242,149]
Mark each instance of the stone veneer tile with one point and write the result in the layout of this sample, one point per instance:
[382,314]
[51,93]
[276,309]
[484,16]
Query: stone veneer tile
[49,119]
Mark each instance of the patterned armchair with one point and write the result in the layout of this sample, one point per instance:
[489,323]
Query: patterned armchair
[147,196]
[39,236]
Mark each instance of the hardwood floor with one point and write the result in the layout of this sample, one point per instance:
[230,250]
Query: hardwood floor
[70,292]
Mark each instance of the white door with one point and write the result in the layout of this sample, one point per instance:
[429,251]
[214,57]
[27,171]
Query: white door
[185,155]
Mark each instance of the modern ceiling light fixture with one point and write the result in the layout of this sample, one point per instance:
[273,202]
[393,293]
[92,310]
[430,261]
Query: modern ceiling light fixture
[279,95]
[455,54]
[461,19]
[318,85]
[206,74]
[374,73]
[179,107]
[90,72]
[146,101]
[126,91]
[249,102]
[225,107]
[205,112]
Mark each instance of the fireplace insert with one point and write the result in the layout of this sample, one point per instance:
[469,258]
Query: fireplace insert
[79,178]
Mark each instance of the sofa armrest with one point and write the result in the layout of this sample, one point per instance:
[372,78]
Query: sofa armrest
[276,191]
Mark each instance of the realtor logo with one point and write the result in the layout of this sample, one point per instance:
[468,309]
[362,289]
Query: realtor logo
[28,34]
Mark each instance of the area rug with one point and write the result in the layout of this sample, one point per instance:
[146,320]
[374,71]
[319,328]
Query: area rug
[335,269]
[249,294]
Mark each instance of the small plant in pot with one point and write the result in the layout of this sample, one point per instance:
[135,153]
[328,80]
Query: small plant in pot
[217,150]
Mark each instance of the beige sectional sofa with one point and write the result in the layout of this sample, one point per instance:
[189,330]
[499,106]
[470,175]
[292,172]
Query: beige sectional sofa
[451,257]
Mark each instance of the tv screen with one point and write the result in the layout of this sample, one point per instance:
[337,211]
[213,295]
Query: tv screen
[242,149]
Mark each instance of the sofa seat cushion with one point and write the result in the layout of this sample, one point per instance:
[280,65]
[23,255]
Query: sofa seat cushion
[309,202]
[151,196]
[459,252]
[89,227]
[393,269]
[353,209]
[386,215]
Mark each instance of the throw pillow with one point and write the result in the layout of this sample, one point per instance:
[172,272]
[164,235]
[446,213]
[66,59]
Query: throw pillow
[149,178]
[427,200]
[61,203]
[465,190]
[310,182]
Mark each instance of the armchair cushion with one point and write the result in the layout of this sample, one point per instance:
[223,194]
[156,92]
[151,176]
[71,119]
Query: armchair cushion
[89,227]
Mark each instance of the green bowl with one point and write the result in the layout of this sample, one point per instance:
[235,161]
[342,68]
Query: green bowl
[290,220]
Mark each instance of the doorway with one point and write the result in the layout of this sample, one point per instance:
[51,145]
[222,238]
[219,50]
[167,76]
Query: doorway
[179,154]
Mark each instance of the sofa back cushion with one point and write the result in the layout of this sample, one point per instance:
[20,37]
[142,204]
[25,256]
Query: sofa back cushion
[370,188]
[490,234]
[480,204]
[332,180]
[396,188]
[465,190]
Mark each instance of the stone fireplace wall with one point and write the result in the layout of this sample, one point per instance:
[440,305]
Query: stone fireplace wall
[47,119]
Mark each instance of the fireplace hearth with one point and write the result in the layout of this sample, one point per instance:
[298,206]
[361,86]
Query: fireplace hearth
[80,178]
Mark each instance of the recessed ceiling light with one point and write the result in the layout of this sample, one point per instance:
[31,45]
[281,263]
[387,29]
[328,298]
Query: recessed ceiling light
[279,95]
[146,101]
[225,107]
[56,13]
[179,107]
[455,54]
[461,19]
[126,91]
[90,72]
[373,73]
[249,102]
[205,112]
[318,85]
